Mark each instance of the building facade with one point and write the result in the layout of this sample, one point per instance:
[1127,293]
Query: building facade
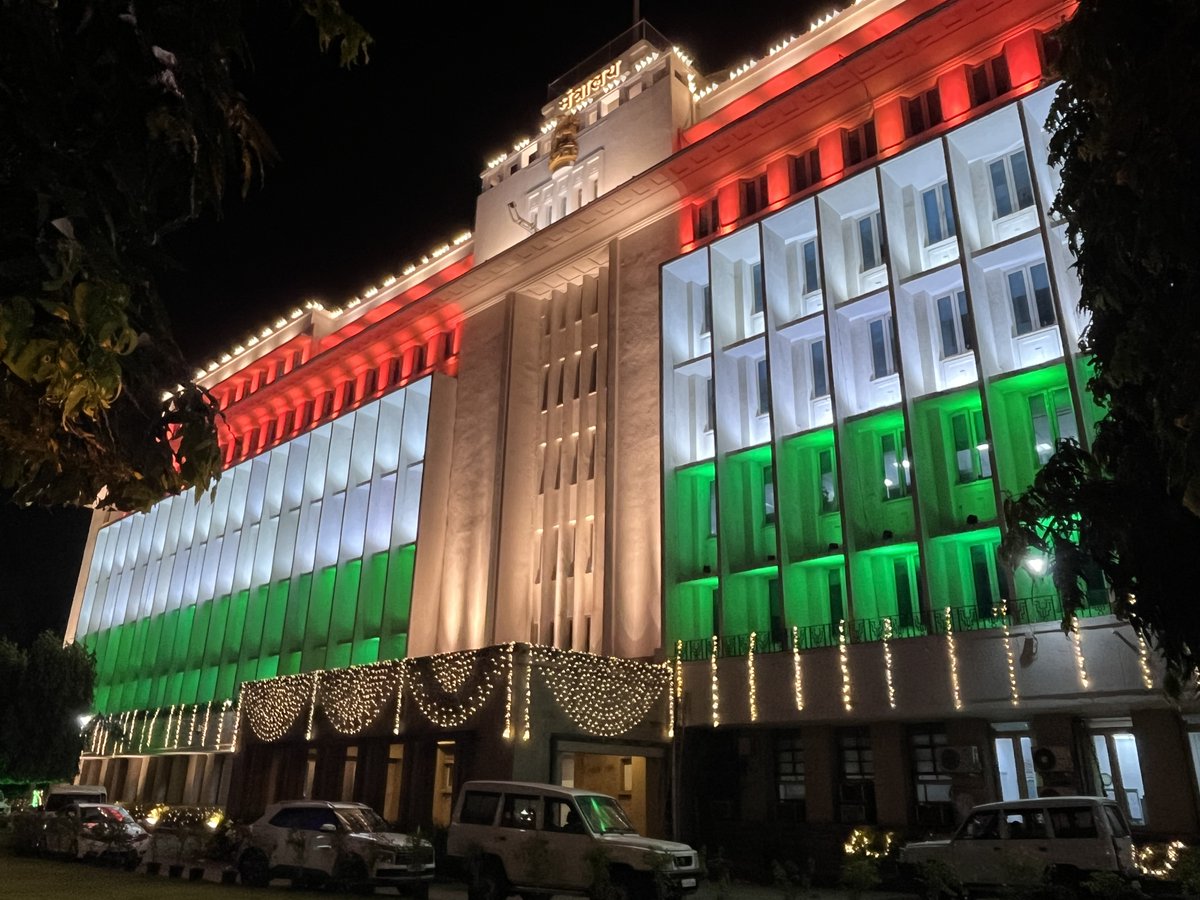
[688,462]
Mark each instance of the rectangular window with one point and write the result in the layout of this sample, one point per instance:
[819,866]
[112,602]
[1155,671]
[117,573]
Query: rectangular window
[707,218]
[1012,186]
[1032,303]
[818,368]
[972,453]
[764,389]
[768,479]
[984,579]
[989,80]
[710,406]
[922,112]
[827,481]
[789,769]
[812,274]
[757,302]
[1053,420]
[935,805]
[712,509]
[894,462]
[837,606]
[954,324]
[754,194]
[904,570]
[939,214]
[592,372]
[806,170]
[705,309]
[883,361]
[871,245]
[859,143]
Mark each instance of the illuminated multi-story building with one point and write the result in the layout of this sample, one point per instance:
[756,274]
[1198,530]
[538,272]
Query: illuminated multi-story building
[688,461]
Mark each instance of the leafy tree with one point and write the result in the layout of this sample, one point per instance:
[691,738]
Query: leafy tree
[1126,132]
[43,691]
[122,122]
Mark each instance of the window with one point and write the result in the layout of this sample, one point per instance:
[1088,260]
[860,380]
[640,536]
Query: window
[707,218]
[764,389]
[1012,186]
[754,194]
[827,481]
[806,169]
[856,789]
[1053,420]
[789,772]
[972,454]
[812,274]
[1014,764]
[907,575]
[712,509]
[709,405]
[883,362]
[859,143]
[954,324]
[872,249]
[1032,303]
[768,480]
[1120,773]
[922,111]
[1026,824]
[778,619]
[561,816]
[985,579]
[837,606]
[935,807]
[705,292]
[1073,822]
[592,371]
[982,826]
[894,460]
[818,368]
[756,289]
[989,80]
[519,812]
[939,214]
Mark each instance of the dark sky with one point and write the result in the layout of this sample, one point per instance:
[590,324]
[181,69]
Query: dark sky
[377,165]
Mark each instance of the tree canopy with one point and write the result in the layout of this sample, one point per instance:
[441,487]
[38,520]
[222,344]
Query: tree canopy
[43,691]
[1126,133]
[122,122]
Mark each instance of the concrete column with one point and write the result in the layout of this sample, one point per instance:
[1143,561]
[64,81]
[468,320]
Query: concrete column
[820,773]
[1166,772]
[893,774]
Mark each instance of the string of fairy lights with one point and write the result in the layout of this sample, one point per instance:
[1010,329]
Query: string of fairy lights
[601,695]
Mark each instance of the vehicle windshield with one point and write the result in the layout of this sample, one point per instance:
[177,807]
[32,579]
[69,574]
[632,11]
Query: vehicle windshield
[361,819]
[604,815]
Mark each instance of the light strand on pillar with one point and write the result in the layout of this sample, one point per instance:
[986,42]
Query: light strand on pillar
[887,661]
[400,676]
[751,678]
[166,743]
[237,723]
[797,675]
[1009,656]
[508,691]
[679,670]
[528,692]
[221,722]
[150,736]
[119,744]
[312,705]
[844,665]
[667,666]
[145,731]
[178,726]
[953,655]
[207,716]
[1077,642]
[716,688]
[1144,662]
[192,724]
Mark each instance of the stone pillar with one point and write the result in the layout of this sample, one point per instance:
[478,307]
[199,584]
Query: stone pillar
[1166,773]
[893,775]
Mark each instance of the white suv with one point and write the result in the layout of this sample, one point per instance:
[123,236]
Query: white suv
[1023,841]
[345,843]
[542,839]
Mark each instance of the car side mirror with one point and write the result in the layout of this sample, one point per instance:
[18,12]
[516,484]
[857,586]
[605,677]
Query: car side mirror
[328,828]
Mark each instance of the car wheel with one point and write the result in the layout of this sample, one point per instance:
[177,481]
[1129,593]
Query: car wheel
[419,891]
[351,875]
[634,886]
[490,883]
[253,869]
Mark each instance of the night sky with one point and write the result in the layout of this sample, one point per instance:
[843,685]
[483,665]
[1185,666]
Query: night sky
[378,164]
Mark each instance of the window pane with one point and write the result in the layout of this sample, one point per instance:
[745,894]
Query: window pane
[1019,296]
[948,210]
[945,310]
[881,335]
[820,377]
[964,322]
[768,494]
[763,393]
[866,239]
[981,444]
[812,280]
[1022,183]
[1064,416]
[712,508]
[1041,295]
[904,594]
[836,609]
[964,450]
[1043,438]
[933,218]
[982,579]
[829,500]
[1000,192]
[756,287]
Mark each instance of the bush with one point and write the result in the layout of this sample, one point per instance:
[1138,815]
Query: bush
[860,874]
[1111,886]
[938,878]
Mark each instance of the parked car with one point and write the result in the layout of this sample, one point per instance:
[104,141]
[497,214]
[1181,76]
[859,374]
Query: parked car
[1024,841]
[60,796]
[516,837]
[343,843]
[95,831]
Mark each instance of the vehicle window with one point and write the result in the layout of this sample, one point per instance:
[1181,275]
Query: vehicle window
[1026,824]
[1073,822]
[287,818]
[361,820]
[479,808]
[982,826]
[561,815]
[1116,821]
[306,818]
[519,812]
[605,816]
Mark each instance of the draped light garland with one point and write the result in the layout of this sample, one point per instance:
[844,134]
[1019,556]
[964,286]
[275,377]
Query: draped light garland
[353,698]
[1077,642]
[887,661]
[716,688]
[1009,655]
[400,674]
[953,655]
[844,665]
[508,691]
[272,706]
[797,674]
[452,709]
[1144,661]
[751,678]
[603,695]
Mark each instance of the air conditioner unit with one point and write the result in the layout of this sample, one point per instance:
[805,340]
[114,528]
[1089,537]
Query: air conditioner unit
[1053,759]
[959,760]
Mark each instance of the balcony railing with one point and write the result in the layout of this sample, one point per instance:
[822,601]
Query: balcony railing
[864,631]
